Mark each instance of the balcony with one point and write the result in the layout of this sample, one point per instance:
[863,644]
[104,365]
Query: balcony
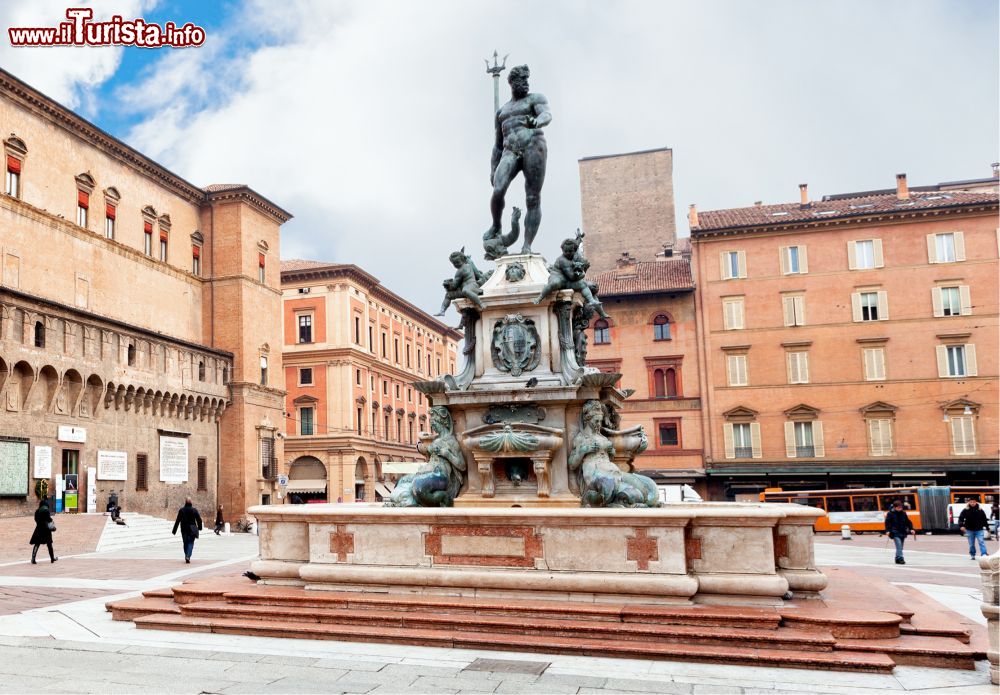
[744,452]
[805,451]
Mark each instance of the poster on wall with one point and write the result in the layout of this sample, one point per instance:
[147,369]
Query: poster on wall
[13,467]
[43,462]
[112,465]
[173,459]
[91,490]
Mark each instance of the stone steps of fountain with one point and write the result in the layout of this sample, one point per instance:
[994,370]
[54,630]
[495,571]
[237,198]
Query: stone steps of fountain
[459,639]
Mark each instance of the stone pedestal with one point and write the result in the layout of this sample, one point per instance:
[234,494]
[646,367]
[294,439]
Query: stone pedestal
[989,568]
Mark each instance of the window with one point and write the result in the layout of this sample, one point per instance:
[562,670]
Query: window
[793,260]
[428,364]
[956,360]
[110,212]
[385,338]
[879,437]
[736,367]
[798,367]
[357,330]
[669,434]
[794,310]
[225,375]
[602,332]
[202,473]
[742,440]
[358,421]
[12,186]
[385,427]
[874,362]
[163,246]
[357,377]
[420,361]
[409,395]
[39,334]
[304,290]
[397,390]
[963,435]
[804,439]
[870,305]
[732,313]
[407,354]
[399,429]
[147,238]
[385,388]
[267,460]
[263,370]
[951,301]
[661,328]
[371,382]
[305,421]
[371,339]
[201,371]
[395,350]
[305,328]
[130,355]
[261,267]
[306,376]
[948,247]
[141,472]
[82,206]
[734,265]
[865,254]
[409,432]
[665,382]
[196,259]
[438,364]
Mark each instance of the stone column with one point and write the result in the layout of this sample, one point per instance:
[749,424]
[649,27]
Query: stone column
[989,568]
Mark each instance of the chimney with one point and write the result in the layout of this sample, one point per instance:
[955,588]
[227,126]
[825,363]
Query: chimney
[996,169]
[803,195]
[758,203]
[626,263]
[902,191]
[692,216]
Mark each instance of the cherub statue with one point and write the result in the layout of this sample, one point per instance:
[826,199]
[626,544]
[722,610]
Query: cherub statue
[438,481]
[602,482]
[496,243]
[568,273]
[465,284]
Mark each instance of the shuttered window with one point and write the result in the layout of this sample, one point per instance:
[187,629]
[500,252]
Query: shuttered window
[798,367]
[948,247]
[874,362]
[957,360]
[742,440]
[865,254]
[737,370]
[963,435]
[141,472]
[951,301]
[880,437]
[202,473]
[733,265]
[793,260]
[732,314]
[794,310]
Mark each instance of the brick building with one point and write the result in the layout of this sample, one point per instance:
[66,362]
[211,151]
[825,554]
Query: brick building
[352,349]
[850,341]
[140,323]
[651,339]
[627,203]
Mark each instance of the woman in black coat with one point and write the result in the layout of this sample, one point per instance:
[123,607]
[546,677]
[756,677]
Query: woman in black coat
[43,532]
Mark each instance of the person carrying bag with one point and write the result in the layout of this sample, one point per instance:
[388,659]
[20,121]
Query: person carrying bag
[189,522]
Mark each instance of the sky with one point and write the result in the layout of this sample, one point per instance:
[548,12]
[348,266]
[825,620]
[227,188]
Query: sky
[372,121]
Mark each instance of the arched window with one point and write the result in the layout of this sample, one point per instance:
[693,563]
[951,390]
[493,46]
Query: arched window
[39,334]
[602,332]
[661,328]
[670,378]
[659,384]
[131,355]
[201,371]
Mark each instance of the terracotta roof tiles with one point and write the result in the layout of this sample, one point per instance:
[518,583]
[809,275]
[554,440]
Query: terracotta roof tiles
[645,277]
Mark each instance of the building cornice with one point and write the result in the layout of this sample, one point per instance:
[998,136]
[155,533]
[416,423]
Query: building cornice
[972,209]
[247,195]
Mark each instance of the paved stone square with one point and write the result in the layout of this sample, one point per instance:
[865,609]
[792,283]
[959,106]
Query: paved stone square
[56,637]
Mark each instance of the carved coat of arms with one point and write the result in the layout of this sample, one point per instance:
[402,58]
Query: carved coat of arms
[515,345]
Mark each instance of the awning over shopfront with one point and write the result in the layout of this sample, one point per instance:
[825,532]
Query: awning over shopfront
[382,490]
[400,467]
[306,486]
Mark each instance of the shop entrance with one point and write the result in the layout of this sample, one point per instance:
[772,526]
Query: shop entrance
[71,480]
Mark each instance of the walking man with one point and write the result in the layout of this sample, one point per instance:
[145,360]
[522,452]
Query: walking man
[189,521]
[972,522]
[219,521]
[898,526]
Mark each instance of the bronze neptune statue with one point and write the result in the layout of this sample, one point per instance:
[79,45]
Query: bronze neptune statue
[520,147]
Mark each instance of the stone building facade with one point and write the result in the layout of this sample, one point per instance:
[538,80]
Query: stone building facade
[140,323]
[627,204]
[850,341]
[352,349]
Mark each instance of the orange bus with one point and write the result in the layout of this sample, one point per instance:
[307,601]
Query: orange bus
[863,509]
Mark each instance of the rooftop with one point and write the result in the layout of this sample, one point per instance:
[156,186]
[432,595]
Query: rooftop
[646,277]
[299,269]
[838,207]
[626,154]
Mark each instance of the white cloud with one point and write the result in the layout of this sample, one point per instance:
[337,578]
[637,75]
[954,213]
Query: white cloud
[371,121]
[67,74]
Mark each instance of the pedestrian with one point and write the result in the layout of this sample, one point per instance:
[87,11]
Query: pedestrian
[189,521]
[972,522]
[898,526]
[44,526]
[219,523]
[995,516]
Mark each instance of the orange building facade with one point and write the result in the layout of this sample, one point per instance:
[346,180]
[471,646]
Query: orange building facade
[351,351]
[138,312]
[850,341]
[651,340]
